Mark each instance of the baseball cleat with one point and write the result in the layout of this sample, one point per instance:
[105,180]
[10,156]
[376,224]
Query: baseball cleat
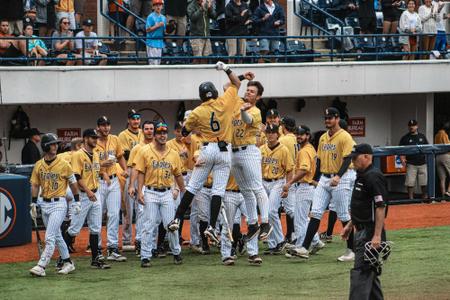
[326,238]
[211,233]
[289,255]
[161,253]
[272,251]
[317,247]
[233,253]
[114,255]
[228,261]
[38,271]
[205,249]
[196,249]
[300,252]
[349,255]
[98,264]
[137,248]
[177,259]
[145,263]
[254,260]
[59,264]
[128,248]
[253,231]
[174,225]
[67,268]
[265,231]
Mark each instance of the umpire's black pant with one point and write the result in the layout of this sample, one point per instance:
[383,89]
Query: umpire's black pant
[364,281]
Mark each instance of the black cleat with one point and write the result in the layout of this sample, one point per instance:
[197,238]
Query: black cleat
[241,246]
[59,264]
[98,264]
[265,231]
[211,233]
[228,261]
[174,225]
[253,231]
[255,260]
[145,263]
[177,259]
[137,248]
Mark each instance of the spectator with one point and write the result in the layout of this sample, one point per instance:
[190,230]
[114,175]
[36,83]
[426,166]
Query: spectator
[29,8]
[443,160]
[30,152]
[64,48]
[36,47]
[200,12]
[66,9]
[344,8]
[441,37]
[428,15]
[155,27]
[117,14]
[237,17]
[12,10]
[220,15]
[10,48]
[416,167]
[367,17]
[90,44]
[141,8]
[269,17]
[176,11]
[409,24]
[391,15]
[45,17]
[79,11]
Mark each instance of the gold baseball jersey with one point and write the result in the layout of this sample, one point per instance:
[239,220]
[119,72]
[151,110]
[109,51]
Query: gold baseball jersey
[132,158]
[245,134]
[129,139]
[88,168]
[213,118]
[182,150]
[441,137]
[53,178]
[66,156]
[306,161]
[232,184]
[333,149]
[159,169]
[290,141]
[276,162]
[193,144]
[111,147]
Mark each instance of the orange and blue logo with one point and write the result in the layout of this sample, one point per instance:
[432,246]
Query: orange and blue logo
[8,213]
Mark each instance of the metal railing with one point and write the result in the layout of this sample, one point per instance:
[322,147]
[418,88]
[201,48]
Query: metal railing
[310,11]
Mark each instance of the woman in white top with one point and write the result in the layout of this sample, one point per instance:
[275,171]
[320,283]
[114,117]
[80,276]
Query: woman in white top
[428,15]
[410,23]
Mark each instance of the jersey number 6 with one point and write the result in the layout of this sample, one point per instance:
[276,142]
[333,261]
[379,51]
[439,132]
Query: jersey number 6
[215,125]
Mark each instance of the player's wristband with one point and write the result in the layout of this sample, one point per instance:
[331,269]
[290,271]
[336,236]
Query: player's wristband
[34,199]
[76,198]
[241,77]
[228,71]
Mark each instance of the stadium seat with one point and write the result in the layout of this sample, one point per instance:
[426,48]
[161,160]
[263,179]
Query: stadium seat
[365,45]
[332,25]
[252,49]
[171,49]
[219,51]
[353,22]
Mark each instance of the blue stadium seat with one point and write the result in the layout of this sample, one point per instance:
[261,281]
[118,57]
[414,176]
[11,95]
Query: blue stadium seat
[353,22]
[219,51]
[252,49]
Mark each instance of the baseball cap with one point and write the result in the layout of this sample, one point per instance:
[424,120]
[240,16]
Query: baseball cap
[361,149]
[303,129]
[88,22]
[34,131]
[90,132]
[331,112]
[272,113]
[155,2]
[161,127]
[178,125]
[272,128]
[412,122]
[103,120]
[132,113]
[288,122]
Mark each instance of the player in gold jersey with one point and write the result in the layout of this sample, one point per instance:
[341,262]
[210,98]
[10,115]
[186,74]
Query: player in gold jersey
[272,118]
[132,135]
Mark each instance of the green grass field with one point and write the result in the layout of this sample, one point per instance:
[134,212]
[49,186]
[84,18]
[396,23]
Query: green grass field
[419,268]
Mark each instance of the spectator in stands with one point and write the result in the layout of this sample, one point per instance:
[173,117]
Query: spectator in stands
[237,17]
[410,23]
[117,14]
[155,26]
[141,8]
[269,17]
[66,9]
[64,48]
[10,48]
[344,8]
[443,160]
[30,152]
[176,12]
[220,13]
[200,12]
[29,8]
[12,10]
[36,47]
[428,15]
[79,11]
[416,167]
[441,37]
[45,17]
[90,43]
[367,17]
[391,15]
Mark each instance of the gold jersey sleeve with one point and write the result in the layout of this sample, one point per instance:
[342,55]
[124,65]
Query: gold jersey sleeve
[306,161]
[332,150]
[111,147]
[87,168]
[213,118]
[232,184]
[159,169]
[129,139]
[246,134]
[66,156]
[131,159]
[53,178]
[276,163]
[441,137]
[290,141]
[192,143]
[182,150]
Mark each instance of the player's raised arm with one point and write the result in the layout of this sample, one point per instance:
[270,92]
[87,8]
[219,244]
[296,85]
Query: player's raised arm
[234,79]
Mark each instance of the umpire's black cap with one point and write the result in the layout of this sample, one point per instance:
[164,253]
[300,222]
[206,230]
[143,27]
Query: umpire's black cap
[361,149]
[271,128]
[90,132]
[103,120]
[331,112]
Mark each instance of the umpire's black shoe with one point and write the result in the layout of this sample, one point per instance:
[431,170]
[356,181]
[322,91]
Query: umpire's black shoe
[177,259]
[252,232]
[174,225]
[145,263]
[211,233]
[98,264]
[265,231]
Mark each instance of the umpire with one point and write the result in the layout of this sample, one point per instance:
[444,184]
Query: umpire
[368,210]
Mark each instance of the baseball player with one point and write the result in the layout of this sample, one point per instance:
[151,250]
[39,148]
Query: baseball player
[202,206]
[75,145]
[212,119]
[272,118]
[305,168]
[277,167]
[335,182]
[110,151]
[158,166]
[52,175]
[246,159]
[233,203]
[129,138]
[290,141]
[86,167]
[148,128]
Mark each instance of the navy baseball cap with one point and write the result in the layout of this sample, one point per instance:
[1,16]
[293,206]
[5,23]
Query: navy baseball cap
[272,113]
[272,128]
[90,132]
[133,114]
[303,129]
[103,120]
[88,22]
[288,122]
[361,149]
[331,112]
[412,122]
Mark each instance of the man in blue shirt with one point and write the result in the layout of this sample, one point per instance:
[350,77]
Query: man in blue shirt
[155,26]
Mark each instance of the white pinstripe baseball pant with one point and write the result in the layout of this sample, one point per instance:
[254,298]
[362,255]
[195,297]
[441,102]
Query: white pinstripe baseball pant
[274,189]
[110,201]
[304,195]
[215,161]
[90,211]
[180,195]
[325,194]
[246,169]
[241,211]
[158,206]
[132,207]
[351,174]
[290,201]
[234,204]
[53,214]
[201,202]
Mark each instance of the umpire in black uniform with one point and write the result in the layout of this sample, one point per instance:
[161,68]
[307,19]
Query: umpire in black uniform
[368,210]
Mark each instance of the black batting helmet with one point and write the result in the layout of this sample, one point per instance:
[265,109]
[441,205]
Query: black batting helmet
[47,140]
[207,91]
